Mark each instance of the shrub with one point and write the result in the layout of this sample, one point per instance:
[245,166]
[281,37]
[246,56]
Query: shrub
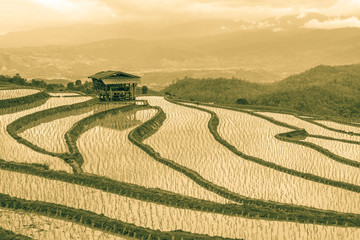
[242,101]
[144,89]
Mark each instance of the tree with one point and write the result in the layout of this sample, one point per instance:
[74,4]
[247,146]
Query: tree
[242,101]
[51,87]
[70,85]
[144,89]
[38,83]
[18,80]
[78,82]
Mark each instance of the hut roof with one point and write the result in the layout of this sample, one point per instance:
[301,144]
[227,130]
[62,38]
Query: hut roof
[115,77]
[112,74]
[109,81]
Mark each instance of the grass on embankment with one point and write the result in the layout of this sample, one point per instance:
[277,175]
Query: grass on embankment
[73,158]
[214,123]
[148,128]
[9,235]
[251,208]
[93,220]
[12,105]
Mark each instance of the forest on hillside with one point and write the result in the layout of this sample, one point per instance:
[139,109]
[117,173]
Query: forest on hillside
[324,90]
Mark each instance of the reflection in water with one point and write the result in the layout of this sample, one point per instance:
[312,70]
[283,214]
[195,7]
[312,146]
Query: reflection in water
[118,120]
[63,114]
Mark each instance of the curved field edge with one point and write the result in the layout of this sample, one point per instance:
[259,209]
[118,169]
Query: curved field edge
[17,93]
[256,209]
[313,121]
[93,220]
[261,208]
[9,235]
[25,122]
[286,137]
[352,124]
[12,105]
[213,125]
[313,117]
[43,227]
[84,124]
[253,210]
[74,158]
[292,137]
[289,136]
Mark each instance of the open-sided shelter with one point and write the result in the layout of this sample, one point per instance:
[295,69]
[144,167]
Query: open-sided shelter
[115,85]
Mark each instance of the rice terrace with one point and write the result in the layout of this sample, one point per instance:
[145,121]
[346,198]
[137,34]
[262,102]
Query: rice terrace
[179,120]
[114,166]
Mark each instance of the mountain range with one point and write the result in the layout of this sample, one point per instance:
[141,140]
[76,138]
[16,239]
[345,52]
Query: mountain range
[262,51]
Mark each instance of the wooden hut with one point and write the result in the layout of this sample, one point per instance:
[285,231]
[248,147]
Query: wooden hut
[115,85]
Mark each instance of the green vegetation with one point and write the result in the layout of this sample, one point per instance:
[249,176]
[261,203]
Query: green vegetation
[103,111]
[17,81]
[89,122]
[323,90]
[333,129]
[92,220]
[86,88]
[144,89]
[297,136]
[149,91]
[31,120]
[214,123]
[250,208]
[217,90]
[7,85]
[255,207]
[8,235]
[242,101]
[115,115]
[22,103]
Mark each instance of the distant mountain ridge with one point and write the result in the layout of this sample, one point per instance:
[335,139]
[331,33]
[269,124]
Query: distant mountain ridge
[279,53]
[86,33]
[76,34]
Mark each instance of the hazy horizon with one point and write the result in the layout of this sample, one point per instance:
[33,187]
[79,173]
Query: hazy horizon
[260,41]
[20,15]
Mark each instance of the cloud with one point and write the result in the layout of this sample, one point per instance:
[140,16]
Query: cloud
[277,3]
[343,7]
[334,23]
[185,9]
[25,14]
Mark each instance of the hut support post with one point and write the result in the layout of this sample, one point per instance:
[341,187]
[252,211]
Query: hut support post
[133,91]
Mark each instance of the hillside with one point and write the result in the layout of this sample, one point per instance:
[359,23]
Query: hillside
[77,34]
[326,90]
[237,54]
[149,30]
[215,90]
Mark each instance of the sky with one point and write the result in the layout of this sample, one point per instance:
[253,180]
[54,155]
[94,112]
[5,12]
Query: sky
[17,15]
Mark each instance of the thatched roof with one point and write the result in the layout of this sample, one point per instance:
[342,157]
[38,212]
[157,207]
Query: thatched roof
[110,81]
[112,74]
[115,77]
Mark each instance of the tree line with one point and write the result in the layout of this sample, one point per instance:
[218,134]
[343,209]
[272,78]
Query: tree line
[86,87]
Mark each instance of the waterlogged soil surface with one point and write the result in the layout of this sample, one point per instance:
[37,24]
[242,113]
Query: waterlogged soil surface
[45,228]
[186,139]
[11,150]
[108,152]
[16,93]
